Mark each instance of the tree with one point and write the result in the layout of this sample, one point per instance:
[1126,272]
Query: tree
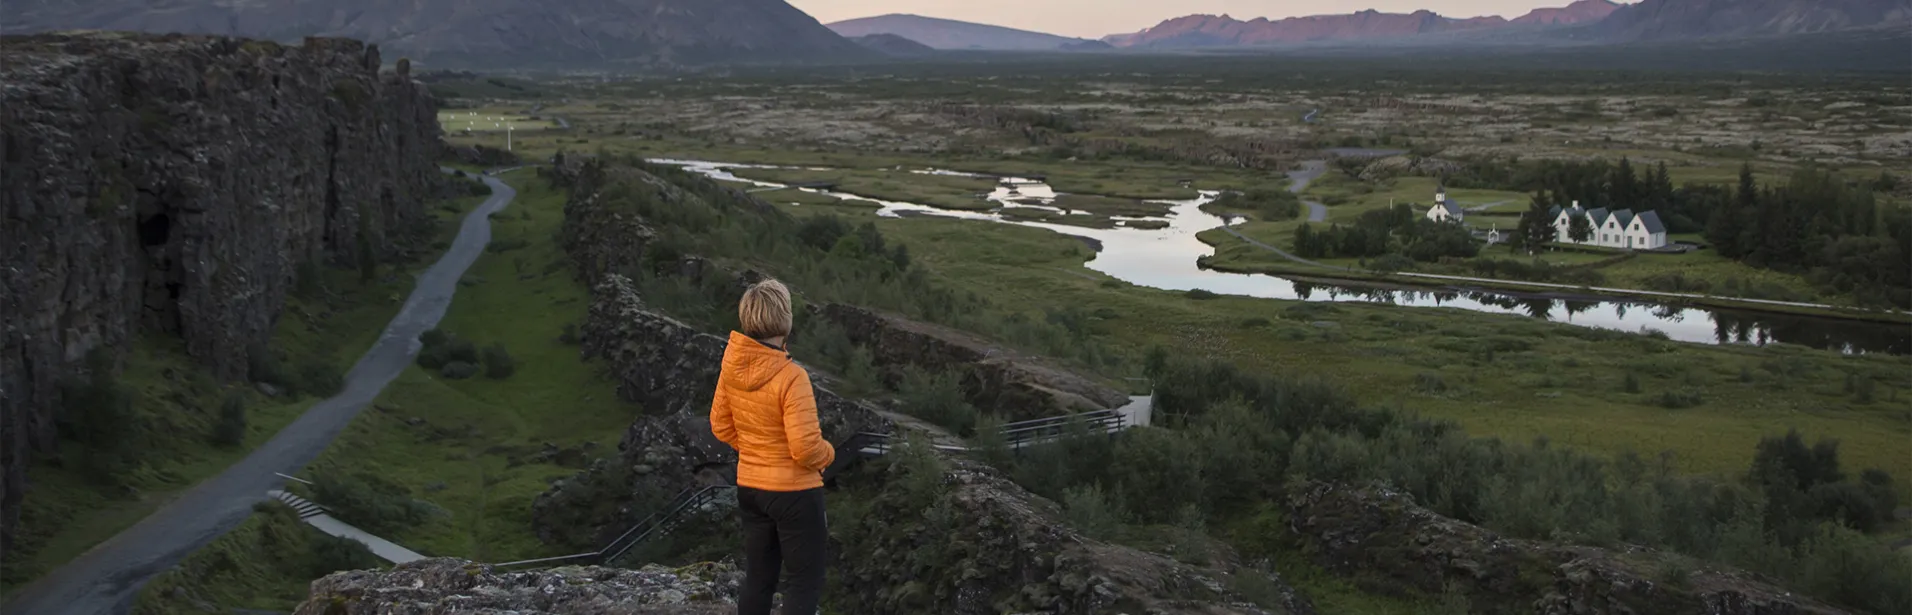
[1305,242]
[231,430]
[1579,228]
[1536,226]
[1624,186]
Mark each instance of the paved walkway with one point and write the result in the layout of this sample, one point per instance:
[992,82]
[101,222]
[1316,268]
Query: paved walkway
[316,516]
[106,578]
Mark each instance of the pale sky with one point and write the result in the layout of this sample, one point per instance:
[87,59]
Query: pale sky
[1096,18]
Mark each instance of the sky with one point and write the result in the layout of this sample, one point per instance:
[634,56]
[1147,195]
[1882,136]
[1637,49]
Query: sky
[1096,18]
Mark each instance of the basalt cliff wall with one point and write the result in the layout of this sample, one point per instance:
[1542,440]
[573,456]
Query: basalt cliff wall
[174,185]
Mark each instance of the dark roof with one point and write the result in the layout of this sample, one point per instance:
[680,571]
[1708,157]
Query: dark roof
[1625,216]
[1599,216]
[1652,221]
[1452,209]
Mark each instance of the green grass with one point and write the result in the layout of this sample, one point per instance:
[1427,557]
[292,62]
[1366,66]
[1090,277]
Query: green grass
[948,192]
[263,563]
[69,513]
[463,445]
[1565,386]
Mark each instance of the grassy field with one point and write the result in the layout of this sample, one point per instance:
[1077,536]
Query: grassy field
[1497,375]
[491,119]
[467,446]
[69,512]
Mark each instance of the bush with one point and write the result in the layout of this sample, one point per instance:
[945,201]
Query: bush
[498,363]
[326,554]
[1089,510]
[369,501]
[262,366]
[570,335]
[231,430]
[318,376]
[1631,384]
[1200,295]
[1677,400]
[937,398]
[458,370]
[1256,323]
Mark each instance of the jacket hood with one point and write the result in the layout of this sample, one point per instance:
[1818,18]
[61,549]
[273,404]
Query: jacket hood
[750,364]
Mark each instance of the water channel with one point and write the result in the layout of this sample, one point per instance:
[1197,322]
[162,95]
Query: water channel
[1167,257]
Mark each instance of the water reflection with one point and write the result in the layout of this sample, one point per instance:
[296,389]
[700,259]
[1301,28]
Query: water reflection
[1166,258]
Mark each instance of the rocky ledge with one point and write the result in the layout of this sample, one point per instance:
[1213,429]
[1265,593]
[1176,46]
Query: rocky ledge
[669,369]
[1379,534]
[176,184]
[445,585]
[970,542]
[1009,384]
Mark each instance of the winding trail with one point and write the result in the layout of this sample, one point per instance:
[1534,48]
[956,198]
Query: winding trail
[108,577]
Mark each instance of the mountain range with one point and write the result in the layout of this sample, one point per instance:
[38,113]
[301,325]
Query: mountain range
[664,33]
[952,34]
[481,32]
[1583,20]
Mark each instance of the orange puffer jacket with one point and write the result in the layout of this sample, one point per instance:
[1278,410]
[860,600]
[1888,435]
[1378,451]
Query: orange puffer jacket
[765,409]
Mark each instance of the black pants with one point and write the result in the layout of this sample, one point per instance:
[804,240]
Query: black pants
[782,531]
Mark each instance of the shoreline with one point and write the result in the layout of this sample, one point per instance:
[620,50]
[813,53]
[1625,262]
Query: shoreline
[1541,290]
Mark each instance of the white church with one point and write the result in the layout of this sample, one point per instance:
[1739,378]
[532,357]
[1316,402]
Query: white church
[1611,229]
[1445,210]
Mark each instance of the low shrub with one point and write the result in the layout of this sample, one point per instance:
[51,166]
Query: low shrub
[319,376]
[231,429]
[498,362]
[458,370]
[1200,295]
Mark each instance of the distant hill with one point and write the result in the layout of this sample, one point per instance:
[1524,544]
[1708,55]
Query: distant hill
[1583,11]
[1222,30]
[894,46]
[1691,19]
[1088,45]
[481,32]
[952,34]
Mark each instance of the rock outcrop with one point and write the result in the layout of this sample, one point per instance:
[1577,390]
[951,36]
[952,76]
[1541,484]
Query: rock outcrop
[445,585]
[670,369]
[486,34]
[1380,533]
[995,378]
[970,542]
[175,184]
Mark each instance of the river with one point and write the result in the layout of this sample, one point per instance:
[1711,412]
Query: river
[1167,258]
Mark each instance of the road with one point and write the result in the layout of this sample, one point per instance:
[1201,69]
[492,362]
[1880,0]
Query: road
[1299,180]
[106,579]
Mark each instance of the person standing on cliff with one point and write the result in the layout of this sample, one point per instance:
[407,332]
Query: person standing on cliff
[764,407]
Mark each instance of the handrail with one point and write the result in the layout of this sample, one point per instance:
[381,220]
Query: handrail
[1063,419]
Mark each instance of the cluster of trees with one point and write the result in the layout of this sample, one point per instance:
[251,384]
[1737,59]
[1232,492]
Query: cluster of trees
[1397,230]
[1267,205]
[1817,225]
[371,502]
[1227,443]
[458,358]
[1833,231]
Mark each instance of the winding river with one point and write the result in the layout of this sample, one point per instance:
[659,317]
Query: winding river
[1167,258]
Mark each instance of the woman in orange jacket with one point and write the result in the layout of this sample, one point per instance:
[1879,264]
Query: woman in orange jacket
[764,407]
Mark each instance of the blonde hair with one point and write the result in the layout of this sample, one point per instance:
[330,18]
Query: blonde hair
[765,310]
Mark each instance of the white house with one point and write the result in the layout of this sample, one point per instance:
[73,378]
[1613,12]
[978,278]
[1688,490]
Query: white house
[1444,211]
[1611,229]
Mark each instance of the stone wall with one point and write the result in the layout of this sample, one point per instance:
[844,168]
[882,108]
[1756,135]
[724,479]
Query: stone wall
[175,184]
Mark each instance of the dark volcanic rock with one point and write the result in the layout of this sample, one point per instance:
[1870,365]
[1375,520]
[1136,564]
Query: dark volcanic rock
[996,379]
[978,544]
[1380,532]
[176,183]
[669,369]
[446,585]
[484,34]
